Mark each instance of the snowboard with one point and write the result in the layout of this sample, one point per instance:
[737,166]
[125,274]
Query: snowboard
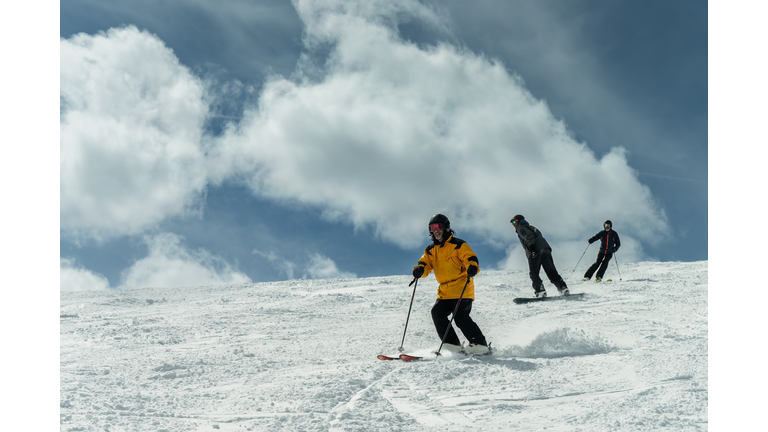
[522,300]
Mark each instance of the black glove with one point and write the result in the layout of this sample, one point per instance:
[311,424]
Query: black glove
[534,254]
[418,271]
[615,249]
[591,241]
[472,270]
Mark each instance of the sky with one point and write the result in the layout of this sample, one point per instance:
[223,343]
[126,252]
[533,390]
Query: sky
[203,143]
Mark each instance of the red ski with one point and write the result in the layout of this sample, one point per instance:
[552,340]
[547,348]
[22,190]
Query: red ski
[383,357]
[409,358]
[404,357]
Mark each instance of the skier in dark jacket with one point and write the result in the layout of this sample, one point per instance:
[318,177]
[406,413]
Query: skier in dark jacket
[609,244]
[539,255]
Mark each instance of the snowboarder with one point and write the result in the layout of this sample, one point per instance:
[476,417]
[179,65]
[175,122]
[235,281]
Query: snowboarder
[609,244]
[454,264]
[539,255]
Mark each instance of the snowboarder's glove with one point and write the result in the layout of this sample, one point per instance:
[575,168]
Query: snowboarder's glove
[534,255]
[418,271]
[472,270]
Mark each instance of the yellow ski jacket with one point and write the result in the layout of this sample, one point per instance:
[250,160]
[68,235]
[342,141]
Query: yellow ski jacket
[450,261]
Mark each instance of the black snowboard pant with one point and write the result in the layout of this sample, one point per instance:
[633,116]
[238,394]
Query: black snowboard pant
[603,259]
[443,309]
[544,259]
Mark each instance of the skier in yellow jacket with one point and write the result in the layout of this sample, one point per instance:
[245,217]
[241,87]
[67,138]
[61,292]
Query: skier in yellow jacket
[454,264]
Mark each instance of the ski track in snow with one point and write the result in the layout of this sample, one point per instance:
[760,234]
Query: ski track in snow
[300,355]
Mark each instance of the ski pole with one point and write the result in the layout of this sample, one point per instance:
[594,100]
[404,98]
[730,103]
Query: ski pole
[582,256]
[450,323]
[415,283]
[617,265]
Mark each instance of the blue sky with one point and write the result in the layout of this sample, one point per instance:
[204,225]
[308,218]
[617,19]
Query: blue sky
[206,143]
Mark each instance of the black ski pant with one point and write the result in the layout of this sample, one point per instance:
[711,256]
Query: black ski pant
[544,259]
[603,259]
[443,309]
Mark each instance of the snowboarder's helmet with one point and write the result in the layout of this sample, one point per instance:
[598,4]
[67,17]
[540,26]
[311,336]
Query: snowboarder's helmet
[608,222]
[516,218]
[439,219]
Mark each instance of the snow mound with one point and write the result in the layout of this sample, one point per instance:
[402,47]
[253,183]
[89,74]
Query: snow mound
[562,342]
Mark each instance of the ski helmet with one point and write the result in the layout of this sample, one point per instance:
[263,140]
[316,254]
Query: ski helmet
[517,217]
[441,219]
[607,222]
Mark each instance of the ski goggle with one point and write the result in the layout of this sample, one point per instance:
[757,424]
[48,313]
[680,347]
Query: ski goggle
[514,221]
[606,225]
[435,227]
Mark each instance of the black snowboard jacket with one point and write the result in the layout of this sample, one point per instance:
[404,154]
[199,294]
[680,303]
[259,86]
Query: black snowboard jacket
[531,239]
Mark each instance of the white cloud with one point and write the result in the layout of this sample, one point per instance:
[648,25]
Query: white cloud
[318,266]
[387,134]
[78,278]
[169,264]
[282,264]
[322,267]
[131,125]
[394,132]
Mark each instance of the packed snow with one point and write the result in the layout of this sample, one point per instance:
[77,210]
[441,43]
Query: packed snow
[300,355]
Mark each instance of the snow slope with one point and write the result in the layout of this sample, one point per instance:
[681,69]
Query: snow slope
[300,355]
